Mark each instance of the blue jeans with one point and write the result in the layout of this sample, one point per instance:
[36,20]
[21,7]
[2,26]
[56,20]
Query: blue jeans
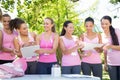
[44,68]
[96,69]
[71,69]
[31,67]
[114,72]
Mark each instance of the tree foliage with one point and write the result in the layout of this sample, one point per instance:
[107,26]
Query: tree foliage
[114,1]
[34,11]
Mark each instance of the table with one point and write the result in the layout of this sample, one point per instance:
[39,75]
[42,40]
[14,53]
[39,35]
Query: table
[49,77]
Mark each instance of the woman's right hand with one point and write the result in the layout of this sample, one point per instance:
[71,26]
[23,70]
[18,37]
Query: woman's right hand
[80,44]
[87,54]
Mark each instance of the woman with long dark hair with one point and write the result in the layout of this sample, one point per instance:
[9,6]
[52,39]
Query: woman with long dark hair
[69,44]
[91,61]
[111,37]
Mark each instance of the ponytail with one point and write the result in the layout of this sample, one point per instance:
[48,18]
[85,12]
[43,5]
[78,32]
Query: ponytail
[63,32]
[15,23]
[53,28]
[114,36]
[112,31]
[12,25]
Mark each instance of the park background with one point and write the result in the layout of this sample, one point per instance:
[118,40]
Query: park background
[34,11]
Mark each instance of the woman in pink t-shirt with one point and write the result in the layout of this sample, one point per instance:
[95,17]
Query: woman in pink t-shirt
[48,42]
[111,37]
[69,44]
[7,35]
[91,61]
[24,38]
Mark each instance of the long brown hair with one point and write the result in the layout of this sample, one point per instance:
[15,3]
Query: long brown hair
[112,31]
[15,23]
[65,25]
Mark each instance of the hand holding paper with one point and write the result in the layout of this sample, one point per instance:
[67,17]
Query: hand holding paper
[91,46]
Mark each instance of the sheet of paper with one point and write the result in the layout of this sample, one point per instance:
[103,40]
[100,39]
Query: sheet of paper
[91,46]
[29,51]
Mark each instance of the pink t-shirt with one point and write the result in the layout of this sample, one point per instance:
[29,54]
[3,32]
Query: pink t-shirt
[71,59]
[94,58]
[113,56]
[47,44]
[7,43]
[31,39]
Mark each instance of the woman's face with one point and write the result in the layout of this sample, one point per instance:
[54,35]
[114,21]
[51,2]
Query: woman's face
[6,21]
[23,29]
[105,24]
[89,25]
[70,28]
[47,25]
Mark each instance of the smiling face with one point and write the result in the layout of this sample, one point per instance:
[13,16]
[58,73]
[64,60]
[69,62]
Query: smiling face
[69,29]
[105,24]
[6,21]
[48,25]
[23,29]
[89,25]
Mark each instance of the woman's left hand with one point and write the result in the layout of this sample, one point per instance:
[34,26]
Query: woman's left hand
[106,47]
[98,49]
[40,51]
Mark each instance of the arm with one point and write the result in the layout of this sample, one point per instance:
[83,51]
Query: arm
[100,38]
[0,40]
[105,61]
[115,47]
[55,45]
[53,50]
[99,49]
[67,51]
[17,47]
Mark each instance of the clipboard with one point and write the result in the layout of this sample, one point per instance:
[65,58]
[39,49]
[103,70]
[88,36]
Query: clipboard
[29,51]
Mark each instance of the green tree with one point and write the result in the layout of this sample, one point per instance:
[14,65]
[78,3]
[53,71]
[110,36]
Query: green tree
[34,11]
[114,1]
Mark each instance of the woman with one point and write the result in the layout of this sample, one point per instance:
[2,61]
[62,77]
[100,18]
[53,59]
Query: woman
[91,61]
[1,26]
[0,29]
[7,35]
[111,37]
[24,39]
[48,42]
[69,44]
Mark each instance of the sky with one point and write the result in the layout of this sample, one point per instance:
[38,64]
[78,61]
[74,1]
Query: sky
[104,7]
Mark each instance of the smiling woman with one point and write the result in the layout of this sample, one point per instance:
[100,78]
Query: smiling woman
[24,38]
[48,42]
[7,54]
